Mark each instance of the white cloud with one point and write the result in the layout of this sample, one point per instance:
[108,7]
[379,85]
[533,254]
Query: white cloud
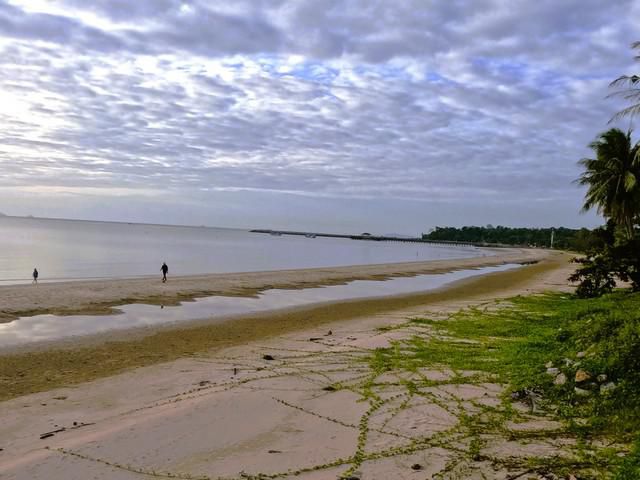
[465,103]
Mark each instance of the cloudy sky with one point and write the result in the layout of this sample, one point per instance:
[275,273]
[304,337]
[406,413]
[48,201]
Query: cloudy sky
[385,116]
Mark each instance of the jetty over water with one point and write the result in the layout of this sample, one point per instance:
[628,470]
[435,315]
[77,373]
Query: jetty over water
[379,238]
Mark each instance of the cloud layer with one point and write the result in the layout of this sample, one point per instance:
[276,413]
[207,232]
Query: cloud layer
[456,104]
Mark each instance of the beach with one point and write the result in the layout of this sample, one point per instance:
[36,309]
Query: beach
[288,394]
[100,296]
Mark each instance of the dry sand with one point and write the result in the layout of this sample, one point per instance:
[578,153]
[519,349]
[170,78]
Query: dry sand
[232,413]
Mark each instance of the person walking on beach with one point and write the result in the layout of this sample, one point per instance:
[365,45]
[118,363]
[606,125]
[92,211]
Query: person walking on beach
[35,276]
[164,269]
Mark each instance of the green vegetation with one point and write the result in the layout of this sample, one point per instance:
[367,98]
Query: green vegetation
[612,258]
[613,179]
[573,360]
[564,238]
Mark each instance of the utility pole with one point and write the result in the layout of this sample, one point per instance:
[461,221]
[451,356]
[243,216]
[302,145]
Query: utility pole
[552,234]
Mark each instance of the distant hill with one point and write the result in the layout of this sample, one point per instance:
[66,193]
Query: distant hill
[3,214]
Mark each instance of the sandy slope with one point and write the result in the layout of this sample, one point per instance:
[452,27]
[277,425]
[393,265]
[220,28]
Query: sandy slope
[232,412]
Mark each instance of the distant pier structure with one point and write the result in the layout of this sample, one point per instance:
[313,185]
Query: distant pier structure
[378,238]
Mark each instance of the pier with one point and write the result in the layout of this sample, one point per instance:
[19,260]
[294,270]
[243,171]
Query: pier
[379,238]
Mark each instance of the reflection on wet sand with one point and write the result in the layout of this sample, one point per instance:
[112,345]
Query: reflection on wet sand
[51,327]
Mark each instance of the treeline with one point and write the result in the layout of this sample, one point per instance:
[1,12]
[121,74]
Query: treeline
[563,238]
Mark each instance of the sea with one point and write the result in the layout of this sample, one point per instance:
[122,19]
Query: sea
[76,250]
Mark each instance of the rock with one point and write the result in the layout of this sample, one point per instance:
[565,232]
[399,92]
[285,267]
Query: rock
[329,333]
[607,388]
[561,379]
[416,466]
[274,451]
[582,376]
[581,354]
[518,395]
[314,339]
[268,357]
[329,388]
[580,392]
[548,364]
[602,378]
[553,371]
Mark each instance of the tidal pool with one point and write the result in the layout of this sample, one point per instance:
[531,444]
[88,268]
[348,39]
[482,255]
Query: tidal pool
[40,328]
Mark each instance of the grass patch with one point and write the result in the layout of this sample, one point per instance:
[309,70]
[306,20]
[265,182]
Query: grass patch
[517,342]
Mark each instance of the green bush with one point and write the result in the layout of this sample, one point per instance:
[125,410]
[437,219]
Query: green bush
[610,258]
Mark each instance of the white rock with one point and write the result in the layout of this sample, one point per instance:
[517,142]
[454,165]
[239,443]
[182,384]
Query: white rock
[581,392]
[602,378]
[581,354]
[607,387]
[553,371]
[561,379]
[548,364]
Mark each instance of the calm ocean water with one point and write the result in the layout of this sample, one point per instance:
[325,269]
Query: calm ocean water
[74,250]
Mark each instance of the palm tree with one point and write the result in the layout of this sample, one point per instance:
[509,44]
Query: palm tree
[613,179]
[629,89]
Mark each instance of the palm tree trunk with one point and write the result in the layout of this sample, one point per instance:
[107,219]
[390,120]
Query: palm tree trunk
[628,228]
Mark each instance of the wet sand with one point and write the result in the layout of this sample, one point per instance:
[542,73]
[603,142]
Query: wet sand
[36,368]
[100,296]
[251,397]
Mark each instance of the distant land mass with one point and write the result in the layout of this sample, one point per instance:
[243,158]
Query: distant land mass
[563,238]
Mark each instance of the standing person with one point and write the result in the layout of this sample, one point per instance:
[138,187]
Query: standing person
[164,269]
[35,276]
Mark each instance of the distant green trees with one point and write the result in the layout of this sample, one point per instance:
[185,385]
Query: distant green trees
[564,238]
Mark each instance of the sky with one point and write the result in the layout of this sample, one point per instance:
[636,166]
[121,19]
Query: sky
[325,115]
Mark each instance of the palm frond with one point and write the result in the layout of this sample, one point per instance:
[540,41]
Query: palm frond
[631,111]
[625,80]
[630,94]
[612,178]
